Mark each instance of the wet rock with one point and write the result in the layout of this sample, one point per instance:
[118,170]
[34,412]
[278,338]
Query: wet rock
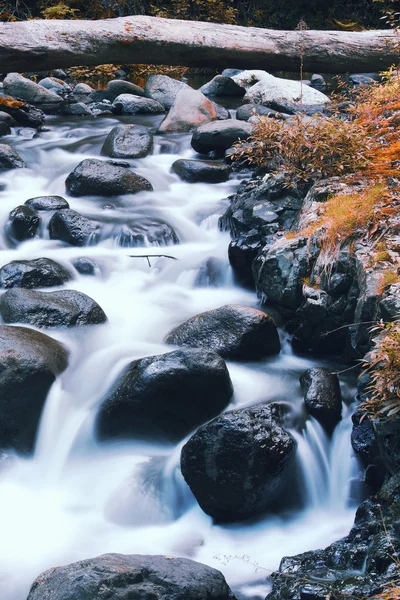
[318,82]
[128,141]
[83,89]
[166,396]
[41,272]
[390,303]
[9,158]
[6,122]
[194,171]
[146,233]
[245,112]
[85,266]
[19,87]
[71,227]
[241,253]
[23,113]
[77,110]
[104,178]
[222,113]
[222,86]
[65,308]
[47,203]
[358,79]
[231,72]
[189,110]
[119,86]
[322,396]
[232,331]
[60,74]
[29,364]
[237,464]
[219,135]
[121,577]
[23,223]
[128,104]
[163,89]
[55,85]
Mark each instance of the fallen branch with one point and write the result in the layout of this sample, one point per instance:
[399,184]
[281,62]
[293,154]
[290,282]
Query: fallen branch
[148,256]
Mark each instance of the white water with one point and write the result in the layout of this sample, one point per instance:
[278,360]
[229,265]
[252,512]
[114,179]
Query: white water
[75,499]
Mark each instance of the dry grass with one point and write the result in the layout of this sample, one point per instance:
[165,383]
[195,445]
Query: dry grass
[387,278]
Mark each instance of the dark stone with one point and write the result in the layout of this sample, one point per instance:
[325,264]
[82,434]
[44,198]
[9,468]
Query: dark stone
[9,158]
[128,141]
[6,122]
[85,266]
[246,111]
[65,308]
[194,171]
[79,109]
[23,223]
[47,203]
[123,577]
[94,177]
[128,104]
[241,253]
[163,89]
[231,72]
[118,86]
[165,396]
[318,82]
[29,363]
[322,396]
[237,464]
[41,272]
[26,115]
[222,86]
[73,228]
[220,135]
[148,232]
[358,79]
[232,331]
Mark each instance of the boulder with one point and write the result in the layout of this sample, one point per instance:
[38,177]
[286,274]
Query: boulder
[85,266]
[318,82]
[9,158]
[222,86]
[71,227]
[93,177]
[222,113]
[77,110]
[119,86]
[128,141]
[41,272]
[232,331]
[47,203]
[55,85]
[19,87]
[128,104]
[166,396]
[237,464]
[83,89]
[123,577]
[29,364]
[23,223]
[24,114]
[189,110]
[322,396]
[220,135]
[194,171]
[65,308]
[163,89]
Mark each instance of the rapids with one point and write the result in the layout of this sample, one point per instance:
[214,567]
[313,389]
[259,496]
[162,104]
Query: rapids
[75,499]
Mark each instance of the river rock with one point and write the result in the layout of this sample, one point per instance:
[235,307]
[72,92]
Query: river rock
[237,464]
[55,85]
[128,141]
[19,87]
[6,122]
[128,104]
[222,86]
[222,113]
[23,223]
[322,396]
[29,364]
[41,272]
[166,396]
[194,171]
[9,158]
[119,577]
[85,266]
[71,227]
[220,135]
[79,109]
[64,308]
[163,89]
[94,177]
[24,114]
[318,82]
[46,203]
[146,233]
[232,331]
[82,89]
[189,110]
[246,111]
[119,86]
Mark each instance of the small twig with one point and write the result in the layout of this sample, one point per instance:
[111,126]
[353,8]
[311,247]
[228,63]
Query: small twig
[148,256]
[326,333]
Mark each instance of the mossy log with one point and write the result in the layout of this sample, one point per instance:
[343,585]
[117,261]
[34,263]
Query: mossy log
[40,45]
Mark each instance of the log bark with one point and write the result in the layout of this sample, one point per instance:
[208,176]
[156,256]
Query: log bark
[42,45]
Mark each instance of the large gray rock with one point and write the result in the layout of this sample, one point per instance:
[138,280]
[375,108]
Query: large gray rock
[237,464]
[41,272]
[220,135]
[47,203]
[123,577]
[189,110]
[29,364]
[65,308]
[163,89]
[9,158]
[71,227]
[222,86]
[232,331]
[128,104]
[165,396]
[23,223]
[322,396]
[194,171]
[55,85]
[19,87]
[128,141]
[119,86]
[94,177]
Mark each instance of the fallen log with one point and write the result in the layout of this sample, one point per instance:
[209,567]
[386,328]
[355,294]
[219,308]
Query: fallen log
[42,45]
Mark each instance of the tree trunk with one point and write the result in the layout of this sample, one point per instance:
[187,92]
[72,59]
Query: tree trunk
[42,45]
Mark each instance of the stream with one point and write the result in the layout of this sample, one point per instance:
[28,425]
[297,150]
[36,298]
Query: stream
[76,498]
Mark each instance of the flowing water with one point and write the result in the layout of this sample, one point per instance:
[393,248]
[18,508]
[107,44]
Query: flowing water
[75,498]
